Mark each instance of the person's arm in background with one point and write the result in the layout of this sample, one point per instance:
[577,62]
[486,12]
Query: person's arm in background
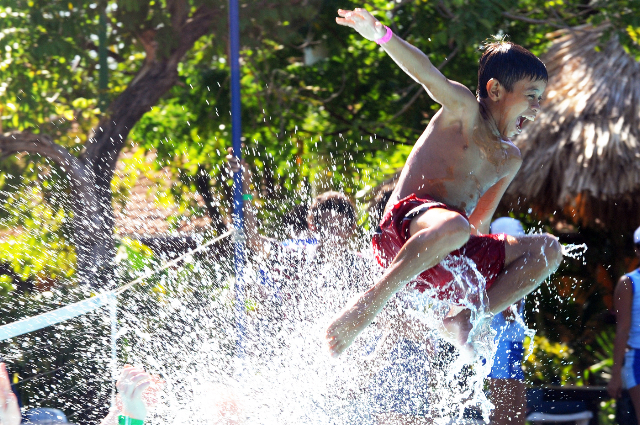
[131,384]
[622,302]
[9,409]
[254,240]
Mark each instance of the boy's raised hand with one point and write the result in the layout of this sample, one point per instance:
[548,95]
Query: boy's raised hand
[363,22]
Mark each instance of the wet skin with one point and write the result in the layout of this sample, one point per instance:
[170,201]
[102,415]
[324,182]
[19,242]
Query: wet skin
[465,159]
[457,159]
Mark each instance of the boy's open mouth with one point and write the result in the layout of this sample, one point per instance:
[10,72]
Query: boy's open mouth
[520,121]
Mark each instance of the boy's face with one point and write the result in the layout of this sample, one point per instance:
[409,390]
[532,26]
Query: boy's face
[519,105]
[335,226]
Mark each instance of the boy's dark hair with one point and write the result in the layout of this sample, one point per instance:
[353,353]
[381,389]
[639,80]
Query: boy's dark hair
[296,218]
[508,63]
[377,206]
[331,201]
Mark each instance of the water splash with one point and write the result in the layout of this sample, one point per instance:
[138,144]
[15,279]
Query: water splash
[457,382]
[286,375]
[575,251]
[181,325]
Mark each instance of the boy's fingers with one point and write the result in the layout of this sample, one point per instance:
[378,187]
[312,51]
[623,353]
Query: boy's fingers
[129,374]
[333,344]
[140,377]
[334,352]
[345,22]
[124,372]
[364,13]
[136,379]
[139,389]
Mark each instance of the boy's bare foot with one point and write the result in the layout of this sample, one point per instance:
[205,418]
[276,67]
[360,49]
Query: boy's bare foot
[350,322]
[455,330]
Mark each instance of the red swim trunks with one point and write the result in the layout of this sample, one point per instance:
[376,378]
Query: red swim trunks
[486,251]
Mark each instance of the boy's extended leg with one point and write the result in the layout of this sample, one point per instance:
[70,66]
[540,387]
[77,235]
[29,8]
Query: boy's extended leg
[529,260]
[434,234]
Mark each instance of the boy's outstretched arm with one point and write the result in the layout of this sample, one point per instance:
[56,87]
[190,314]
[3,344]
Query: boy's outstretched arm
[253,238]
[450,94]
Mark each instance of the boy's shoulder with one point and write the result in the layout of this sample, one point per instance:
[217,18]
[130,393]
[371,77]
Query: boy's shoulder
[468,113]
[462,101]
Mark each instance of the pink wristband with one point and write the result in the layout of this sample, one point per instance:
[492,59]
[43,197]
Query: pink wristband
[385,38]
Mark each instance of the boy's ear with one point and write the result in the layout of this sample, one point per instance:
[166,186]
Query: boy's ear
[494,89]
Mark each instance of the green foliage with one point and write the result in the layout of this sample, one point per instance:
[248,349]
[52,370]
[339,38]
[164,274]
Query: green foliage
[558,363]
[549,361]
[136,255]
[35,242]
[602,351]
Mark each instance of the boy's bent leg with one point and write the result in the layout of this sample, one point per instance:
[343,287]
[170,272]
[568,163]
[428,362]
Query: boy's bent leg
[529,260]
[434,234]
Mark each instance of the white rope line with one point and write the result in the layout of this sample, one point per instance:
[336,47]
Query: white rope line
[49,318]
[172,262]
[79,308]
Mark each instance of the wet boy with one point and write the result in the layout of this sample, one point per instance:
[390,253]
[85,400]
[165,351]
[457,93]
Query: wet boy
[451,185]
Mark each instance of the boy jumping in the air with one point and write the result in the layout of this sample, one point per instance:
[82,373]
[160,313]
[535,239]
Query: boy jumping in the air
[450,187]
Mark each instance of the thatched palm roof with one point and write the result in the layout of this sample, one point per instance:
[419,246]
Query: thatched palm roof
[582,156]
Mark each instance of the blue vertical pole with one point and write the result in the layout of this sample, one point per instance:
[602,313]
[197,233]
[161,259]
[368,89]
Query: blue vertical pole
[236,133]
[113,318]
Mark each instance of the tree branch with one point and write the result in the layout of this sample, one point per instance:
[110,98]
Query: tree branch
[179,12]
[531,20]
[154,79]
[92,46]
[445,11]
[39,144]
[364,130]
[339,92]
[196,26]
[419,93]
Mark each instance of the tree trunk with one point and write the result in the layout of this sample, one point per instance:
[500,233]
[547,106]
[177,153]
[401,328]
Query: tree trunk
[203,185]
[93,231]
[92,172]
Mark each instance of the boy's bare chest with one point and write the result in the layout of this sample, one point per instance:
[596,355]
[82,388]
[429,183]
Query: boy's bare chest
[467,153]
[457,167]
[491,155]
